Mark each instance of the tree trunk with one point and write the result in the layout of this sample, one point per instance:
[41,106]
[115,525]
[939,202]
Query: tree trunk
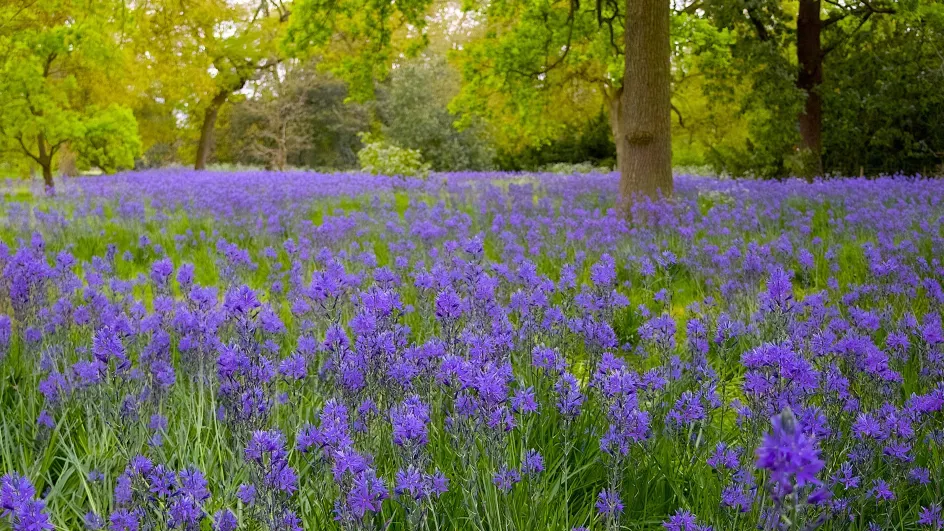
[810,58]
[615,114]
[47,179]
[45,162]
[645,120]
[209,126]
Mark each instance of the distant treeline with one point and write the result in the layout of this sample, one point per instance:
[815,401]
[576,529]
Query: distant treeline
[758,88]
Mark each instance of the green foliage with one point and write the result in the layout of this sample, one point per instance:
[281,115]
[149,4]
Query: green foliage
[569,168]
[540,68]
[357,40]
[885,114]
[55,60]
[881,88]
[325,127]
[110,140]
[414,111]
[590,145]
[383,158]
[513,84]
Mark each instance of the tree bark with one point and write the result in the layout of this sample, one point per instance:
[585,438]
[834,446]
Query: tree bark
[810,59]
[209,126]
[615,114]
[45,162]
[645,120]
[47,179]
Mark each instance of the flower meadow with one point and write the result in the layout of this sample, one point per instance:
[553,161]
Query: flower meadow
[283,351]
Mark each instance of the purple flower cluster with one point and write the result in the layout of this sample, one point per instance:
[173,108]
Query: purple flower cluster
[472,351]
[19,505]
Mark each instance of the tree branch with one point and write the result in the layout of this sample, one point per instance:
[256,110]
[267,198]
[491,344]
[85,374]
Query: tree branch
[27,151]
[759,27]
[677,113]
[834,18]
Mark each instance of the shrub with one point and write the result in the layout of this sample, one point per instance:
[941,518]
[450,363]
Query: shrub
[383,158]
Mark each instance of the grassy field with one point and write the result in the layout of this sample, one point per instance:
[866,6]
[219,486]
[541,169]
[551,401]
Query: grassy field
[416,343]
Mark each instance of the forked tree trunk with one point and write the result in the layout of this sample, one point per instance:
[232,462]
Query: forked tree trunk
[810,58]
[205,146]
[645,109]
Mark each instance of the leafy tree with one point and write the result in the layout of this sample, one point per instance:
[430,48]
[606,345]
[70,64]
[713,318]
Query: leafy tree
[357,40]
[542,66]
[109,140]
[589,143]
[56,57]
[414,110]
[883,103]
[218,46]
[278,119]
[783,48]
[322,130]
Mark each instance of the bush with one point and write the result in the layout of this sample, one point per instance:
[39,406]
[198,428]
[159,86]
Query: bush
[569,168]
[383,158]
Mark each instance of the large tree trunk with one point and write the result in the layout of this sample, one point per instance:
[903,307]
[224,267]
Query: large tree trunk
[209,127]
[645,107]
[810,58]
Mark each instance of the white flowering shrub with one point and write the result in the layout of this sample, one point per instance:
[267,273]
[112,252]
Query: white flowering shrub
[383,158]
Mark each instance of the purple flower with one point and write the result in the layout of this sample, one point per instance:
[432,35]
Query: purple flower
[123,520]
[46,420]
[930,516]
[439,483]
[409,421]
[19,505]
[881,491]
[506,478]
[93,522]
[779,294]
[533,463]
[846,477]
[161,270]
[367,493]
[523,401]
[548,360]
[295,367]
[569,397]
[6,332]
[791,457]
[246,494]
[225,520]
[724,457]
[410,481]
[609,503]
[683,521]
[449,306]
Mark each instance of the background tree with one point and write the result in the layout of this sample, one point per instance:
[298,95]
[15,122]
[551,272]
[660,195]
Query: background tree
[883,105]
[278,117]
[538,68]
[357,40]
[59,63]
[414,109]
[218,46]
[324,125]
[778,46]
[644,142]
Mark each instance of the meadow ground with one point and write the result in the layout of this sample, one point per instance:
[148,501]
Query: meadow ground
[184,350]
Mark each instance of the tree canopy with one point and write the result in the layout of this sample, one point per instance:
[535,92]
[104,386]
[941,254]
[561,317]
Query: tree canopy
[766,88]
